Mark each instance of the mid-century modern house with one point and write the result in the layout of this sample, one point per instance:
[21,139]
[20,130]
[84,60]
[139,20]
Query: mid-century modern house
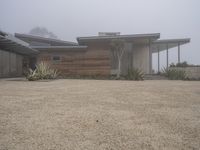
[89,56]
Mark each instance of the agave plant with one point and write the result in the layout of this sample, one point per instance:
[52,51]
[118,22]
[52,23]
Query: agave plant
[42,71]
[134,74]
[32,75]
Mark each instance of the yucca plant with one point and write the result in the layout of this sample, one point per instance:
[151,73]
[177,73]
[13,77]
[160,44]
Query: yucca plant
[32,75]
[174,74]
[134,74]
[42,71]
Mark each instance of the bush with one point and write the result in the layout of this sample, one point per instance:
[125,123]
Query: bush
[174,74]
[172,65]
[183,64]
[42,71]
[134,74]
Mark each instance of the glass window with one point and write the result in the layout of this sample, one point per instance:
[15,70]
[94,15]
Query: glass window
[56,58]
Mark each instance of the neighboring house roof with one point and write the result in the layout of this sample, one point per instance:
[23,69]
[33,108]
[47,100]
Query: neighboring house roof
[131,37]
[54,42]
[170,43]
[12,44]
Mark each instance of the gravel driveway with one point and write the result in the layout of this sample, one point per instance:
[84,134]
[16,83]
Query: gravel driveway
[99,115]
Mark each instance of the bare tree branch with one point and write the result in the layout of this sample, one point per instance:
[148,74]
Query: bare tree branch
[117,46]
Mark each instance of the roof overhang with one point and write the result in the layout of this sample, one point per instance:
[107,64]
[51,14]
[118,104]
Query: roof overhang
[28,38]
[9,43]
[136,38]
[61,48]
[168,43]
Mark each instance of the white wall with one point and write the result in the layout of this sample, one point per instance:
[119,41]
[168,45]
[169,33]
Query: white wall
[141,58]
[134,57]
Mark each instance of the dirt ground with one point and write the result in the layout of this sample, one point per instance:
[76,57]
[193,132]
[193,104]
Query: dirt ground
[99,115]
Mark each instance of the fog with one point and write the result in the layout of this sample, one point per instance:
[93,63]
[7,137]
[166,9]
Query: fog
[68,19]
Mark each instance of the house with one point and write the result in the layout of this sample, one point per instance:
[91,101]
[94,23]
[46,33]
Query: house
[92,55]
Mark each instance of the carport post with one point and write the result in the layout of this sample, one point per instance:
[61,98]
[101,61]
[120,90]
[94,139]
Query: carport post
[1,63]
[167,56]
[9,55]
[158,59]
[150,57]
[178,52]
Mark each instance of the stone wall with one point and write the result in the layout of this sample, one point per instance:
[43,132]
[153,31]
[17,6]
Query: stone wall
[191,72]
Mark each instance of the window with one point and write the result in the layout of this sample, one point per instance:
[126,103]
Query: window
[56,58]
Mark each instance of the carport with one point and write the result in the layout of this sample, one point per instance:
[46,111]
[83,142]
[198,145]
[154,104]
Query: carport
[165,45]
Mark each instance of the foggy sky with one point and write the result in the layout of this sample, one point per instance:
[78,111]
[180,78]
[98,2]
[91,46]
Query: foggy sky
[69,19]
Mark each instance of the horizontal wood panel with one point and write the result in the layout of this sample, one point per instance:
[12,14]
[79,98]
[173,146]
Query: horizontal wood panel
[89,63]
[83,68]
[102,73]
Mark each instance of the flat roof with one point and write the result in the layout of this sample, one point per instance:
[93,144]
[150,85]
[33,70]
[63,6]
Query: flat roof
[12,44]
[60,48]
[67,47]
[153,36]
[170,43]
[47,40]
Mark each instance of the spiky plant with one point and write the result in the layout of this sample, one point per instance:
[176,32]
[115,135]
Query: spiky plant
[42,71]
[134,74]
[174,74]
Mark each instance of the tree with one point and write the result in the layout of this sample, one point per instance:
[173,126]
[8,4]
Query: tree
[43,32]
[118,48]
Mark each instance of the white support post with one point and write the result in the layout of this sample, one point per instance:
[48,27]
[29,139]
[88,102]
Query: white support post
[167,56]
[1,62]
[158,59]
[150,57]
[178,52]
[9,55]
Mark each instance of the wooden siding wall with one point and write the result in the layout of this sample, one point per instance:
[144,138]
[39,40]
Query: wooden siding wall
[90,62]
[10,64]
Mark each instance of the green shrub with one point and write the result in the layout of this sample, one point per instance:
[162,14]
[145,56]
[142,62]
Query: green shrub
[174,74]
[182,64]
[42,71]
[134,74]
[172,65]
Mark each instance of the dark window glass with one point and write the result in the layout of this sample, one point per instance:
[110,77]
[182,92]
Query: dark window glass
[56,58]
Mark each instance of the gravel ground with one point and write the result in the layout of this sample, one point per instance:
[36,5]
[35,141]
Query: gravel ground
[99,115]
